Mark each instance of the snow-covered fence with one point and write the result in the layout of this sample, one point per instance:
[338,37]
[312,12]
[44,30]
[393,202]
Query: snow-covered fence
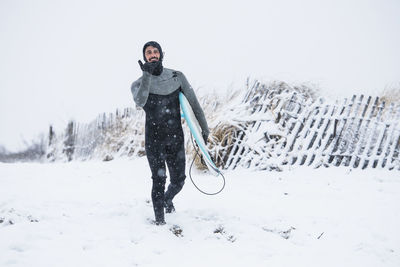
[360,132]
[266,126]
[109,135]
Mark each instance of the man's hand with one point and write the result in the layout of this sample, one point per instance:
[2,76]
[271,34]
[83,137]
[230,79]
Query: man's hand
[149,66]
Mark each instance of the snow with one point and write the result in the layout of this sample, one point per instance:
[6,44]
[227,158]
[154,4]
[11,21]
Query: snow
[97,214]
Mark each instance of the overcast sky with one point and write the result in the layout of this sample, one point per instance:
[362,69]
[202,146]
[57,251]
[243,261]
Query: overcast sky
[75,59]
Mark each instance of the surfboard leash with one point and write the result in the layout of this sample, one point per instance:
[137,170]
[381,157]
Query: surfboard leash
[196,148]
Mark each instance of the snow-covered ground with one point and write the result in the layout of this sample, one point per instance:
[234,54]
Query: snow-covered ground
[97,214]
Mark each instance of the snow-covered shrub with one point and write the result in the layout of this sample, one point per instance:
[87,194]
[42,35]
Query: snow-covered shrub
[124,136]
[247,127]
[34,151]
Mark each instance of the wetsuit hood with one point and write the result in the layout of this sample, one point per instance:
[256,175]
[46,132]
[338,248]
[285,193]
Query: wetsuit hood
[153,44]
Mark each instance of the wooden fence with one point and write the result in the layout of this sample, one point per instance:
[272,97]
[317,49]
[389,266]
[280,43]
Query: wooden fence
[361,132]
[268,127]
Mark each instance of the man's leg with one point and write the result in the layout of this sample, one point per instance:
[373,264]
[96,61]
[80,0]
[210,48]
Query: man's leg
[176,167]
[157,165]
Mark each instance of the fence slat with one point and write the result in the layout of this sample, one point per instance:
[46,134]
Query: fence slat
[357,137]
[315,141]
[349,135]
[371,140]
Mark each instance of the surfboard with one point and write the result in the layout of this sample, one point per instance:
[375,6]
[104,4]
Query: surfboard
[195,129]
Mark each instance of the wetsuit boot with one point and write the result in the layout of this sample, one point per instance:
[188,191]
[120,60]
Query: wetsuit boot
[157,196]
[173,190]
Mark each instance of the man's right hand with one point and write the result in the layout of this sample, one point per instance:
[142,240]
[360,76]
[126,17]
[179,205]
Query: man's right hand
[149,66]
[205,137]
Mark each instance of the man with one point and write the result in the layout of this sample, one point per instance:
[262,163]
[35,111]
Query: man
[157,92]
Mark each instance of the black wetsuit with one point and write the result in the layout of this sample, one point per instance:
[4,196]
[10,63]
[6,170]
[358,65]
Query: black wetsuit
[164,142]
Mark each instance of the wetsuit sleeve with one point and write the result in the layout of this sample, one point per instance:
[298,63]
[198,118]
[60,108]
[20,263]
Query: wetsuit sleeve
[194,103]
[140,89]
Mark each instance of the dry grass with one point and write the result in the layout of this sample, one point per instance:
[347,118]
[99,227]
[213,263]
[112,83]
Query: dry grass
[391,95]
[390,98]
[221,143]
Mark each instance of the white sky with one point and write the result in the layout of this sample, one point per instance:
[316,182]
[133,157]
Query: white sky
[75,59]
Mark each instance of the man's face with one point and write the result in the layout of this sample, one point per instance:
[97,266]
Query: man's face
[152,54]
